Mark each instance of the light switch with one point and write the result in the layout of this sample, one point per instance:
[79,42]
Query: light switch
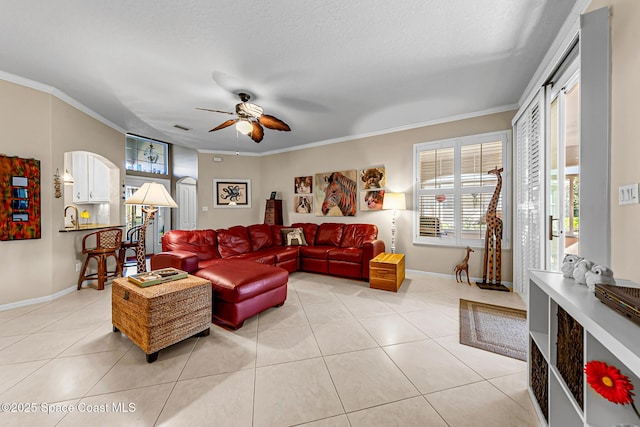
[628,194]
[205,209]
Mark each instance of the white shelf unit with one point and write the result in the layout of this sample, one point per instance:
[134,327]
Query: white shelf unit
[608,337]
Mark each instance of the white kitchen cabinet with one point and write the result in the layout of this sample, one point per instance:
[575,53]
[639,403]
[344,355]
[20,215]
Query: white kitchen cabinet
[91,178]
[604,335]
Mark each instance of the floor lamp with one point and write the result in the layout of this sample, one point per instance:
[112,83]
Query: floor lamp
[151,196]
[395,202]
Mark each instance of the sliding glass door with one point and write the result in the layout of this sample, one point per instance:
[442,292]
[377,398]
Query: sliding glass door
[563,198]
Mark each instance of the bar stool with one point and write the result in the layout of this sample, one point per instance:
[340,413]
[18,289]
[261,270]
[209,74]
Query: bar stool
[101,245]
[133,236]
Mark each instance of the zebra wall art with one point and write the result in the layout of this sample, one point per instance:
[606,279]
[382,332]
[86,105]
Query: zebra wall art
[339,190]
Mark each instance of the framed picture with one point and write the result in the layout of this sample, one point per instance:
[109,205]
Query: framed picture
[336,193]
[372,178]
[231,193]
[371,200]
[303,204]
[273,194]
[302,184]
[20,201]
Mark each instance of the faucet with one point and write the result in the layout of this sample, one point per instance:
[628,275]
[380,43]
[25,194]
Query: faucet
[74,221]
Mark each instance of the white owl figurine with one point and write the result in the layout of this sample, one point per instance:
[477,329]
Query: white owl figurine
[580,272]
[569,264]
[599,275]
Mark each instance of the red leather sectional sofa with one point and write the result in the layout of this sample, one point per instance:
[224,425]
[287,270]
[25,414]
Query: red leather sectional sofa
[248,265]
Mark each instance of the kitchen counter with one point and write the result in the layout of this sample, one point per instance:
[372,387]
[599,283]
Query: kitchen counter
[90,227]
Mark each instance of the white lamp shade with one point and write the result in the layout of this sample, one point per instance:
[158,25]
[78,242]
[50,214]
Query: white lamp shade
[394,201]
[244,127]
[67,178]
[152,194]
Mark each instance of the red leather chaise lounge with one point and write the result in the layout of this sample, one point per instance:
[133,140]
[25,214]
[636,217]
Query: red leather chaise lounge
[248,266]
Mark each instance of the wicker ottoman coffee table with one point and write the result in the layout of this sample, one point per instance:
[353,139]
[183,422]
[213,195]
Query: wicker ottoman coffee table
[158,316]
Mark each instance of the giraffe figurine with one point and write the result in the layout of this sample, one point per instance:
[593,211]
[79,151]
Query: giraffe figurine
[463,266]
[141,253]
[493,237]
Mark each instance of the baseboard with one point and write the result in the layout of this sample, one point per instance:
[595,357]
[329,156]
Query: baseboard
[453,277]
[32,301]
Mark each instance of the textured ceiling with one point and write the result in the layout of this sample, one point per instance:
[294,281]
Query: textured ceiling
[330,69]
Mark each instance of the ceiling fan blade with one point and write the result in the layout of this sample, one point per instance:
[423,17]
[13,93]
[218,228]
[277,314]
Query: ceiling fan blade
[257,133]
[224,125]
[215,111]
[273,123]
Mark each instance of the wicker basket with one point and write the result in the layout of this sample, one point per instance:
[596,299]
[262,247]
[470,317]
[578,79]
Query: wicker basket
[158,316]
[539,378]
[570,360]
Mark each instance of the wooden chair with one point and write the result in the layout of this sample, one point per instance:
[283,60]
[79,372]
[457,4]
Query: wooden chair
[101,245]
[133,236]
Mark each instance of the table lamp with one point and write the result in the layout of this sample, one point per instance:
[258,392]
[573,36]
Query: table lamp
[151,196]
[395,202]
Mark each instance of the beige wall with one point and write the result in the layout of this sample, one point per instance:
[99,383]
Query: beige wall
[625,149]
[395,151]
[231,167]
[39,125]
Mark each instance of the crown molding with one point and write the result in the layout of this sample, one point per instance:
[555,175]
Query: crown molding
[60,95]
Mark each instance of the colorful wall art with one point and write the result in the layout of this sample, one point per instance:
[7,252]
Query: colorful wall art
[303,204]
[20,204]
[303,184]
[372,182]
[336,193]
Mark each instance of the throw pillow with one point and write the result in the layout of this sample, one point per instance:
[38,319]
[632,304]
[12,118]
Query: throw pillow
[293,237]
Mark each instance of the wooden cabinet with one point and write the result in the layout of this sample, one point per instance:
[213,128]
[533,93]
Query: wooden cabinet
[386,271]
[91,178]
[273,212]
[569,326]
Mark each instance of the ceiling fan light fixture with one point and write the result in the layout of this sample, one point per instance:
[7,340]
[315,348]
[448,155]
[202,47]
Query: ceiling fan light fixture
[244,127]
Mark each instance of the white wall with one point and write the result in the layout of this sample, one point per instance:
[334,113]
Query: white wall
[625,149]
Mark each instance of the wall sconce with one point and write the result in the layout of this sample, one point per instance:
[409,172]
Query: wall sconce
[56,184]
[67,178]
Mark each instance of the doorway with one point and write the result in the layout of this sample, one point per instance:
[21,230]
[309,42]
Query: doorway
[134,215]
[563,201]
[187,195]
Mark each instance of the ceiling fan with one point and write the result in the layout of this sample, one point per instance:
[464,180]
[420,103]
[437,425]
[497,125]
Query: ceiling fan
[250,119]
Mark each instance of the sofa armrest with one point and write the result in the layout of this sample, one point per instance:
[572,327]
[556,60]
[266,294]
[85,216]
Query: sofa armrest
[370,250]
[373,248]
[182,260]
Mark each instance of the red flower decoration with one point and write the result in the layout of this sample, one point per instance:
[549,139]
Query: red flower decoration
[609,382]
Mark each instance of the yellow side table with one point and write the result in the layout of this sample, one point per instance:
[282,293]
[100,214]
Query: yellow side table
[386,271]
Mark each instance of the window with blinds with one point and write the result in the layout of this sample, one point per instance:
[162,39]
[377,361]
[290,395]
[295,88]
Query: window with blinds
[453,188]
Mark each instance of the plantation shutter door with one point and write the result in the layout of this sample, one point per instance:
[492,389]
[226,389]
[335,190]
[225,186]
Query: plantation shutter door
[529,174]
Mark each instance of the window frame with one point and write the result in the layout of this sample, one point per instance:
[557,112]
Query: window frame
[457,190]
[135,160]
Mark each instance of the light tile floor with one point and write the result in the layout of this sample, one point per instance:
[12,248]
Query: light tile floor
[336,354]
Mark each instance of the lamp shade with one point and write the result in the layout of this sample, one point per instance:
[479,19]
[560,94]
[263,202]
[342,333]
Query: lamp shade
[394,201]
[244,127]
[67,178]
[152,194]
